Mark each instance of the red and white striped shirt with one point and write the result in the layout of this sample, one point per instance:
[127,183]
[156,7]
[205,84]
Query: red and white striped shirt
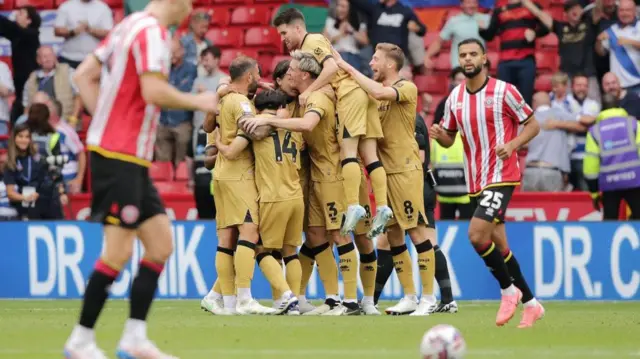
[124,125]
[486,119]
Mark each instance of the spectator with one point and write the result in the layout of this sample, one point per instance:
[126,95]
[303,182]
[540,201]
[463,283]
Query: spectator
[425,111]
[517,24]
[390,21]
[560,96]
[56,80]
[622,41]
[576,39]
[199,175]
[209,59]
[7,212]
[460,27]
[347,35]
[456,78]
[24,35]
[30,188]
[629,101]
[547,159]
[194,41]
[175,129]
[83,24]
[6,91]
[602,15]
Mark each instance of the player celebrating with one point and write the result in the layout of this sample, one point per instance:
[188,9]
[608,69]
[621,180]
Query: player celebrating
[326,196]
[487,112]
[358,118]
[399,152]
[124,85]
[281,203]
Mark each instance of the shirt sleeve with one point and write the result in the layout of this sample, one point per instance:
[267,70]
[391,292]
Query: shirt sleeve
[319,46]
[151,51]
[316,104]
[405,92]
[211,141]
[106,21]
[447,30]
[421,133]
[244,108]
[449,120]
[62,19]
[72,141]
[5,77]
[515,107]
[10,177]
[103,51]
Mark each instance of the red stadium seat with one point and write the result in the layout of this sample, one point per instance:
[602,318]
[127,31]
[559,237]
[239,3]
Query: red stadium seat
[251,15]
[38,4]
[230,2]
[220,15]
[275,2]
[494,58]
[543,83]
[172,187]
[430,38]
[547,61]
[493,45]
[276,60]
[431,84]
[201,2]
[182,172]
[229,37]
[557,12]
[264,61]
[161,171]
[6,5]
[453,12]
[115,4]
[549,42]
[443,62]
[118,15]
[264,37]
[230,54]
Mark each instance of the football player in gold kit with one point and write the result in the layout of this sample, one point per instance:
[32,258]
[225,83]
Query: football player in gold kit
[399,153]
[358,120]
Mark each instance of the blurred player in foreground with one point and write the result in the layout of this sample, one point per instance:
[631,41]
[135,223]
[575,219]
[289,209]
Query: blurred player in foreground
[488,112]
[125,102]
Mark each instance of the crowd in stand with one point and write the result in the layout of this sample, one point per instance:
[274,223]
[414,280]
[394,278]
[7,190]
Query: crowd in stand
[599,49]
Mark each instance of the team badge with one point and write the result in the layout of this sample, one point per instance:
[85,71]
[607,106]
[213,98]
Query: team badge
[489,102]
[317,51]
[129,214]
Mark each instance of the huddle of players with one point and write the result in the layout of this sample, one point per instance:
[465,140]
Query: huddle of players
[267,194]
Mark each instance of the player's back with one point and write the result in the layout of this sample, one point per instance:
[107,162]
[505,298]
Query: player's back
[232,108]
[398,149]
[124,125]
[322,141]
[277,164]
[320,47]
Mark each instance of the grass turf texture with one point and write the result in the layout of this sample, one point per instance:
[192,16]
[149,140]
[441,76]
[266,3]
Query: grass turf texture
[38,329]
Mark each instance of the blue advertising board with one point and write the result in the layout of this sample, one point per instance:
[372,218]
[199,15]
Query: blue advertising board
[562,260]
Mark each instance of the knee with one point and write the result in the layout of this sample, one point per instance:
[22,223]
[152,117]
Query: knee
[118,258]
[476,236]
[161,252]
[339,239]
[288,251]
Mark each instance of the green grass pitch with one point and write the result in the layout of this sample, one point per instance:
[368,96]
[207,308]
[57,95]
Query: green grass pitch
[38,329]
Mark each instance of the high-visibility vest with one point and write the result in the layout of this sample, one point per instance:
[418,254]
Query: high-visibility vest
[448,164]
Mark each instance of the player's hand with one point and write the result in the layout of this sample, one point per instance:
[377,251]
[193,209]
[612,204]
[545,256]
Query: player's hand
[604,36]
[413,26]
[504,151]
[251,124]
[206,101]
[82,27]
[436,132]
[266,85]
[31,197]
[624,41]
[217,137]
[530,35]
[302,98]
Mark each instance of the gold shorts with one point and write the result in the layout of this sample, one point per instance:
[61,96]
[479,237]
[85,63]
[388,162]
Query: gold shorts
[364,225]
[352,114]
[304,174]
[237,203]
[374,127]
[406,199]
[326,204]
[281,223]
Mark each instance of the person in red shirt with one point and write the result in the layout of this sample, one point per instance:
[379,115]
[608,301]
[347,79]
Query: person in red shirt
[487,112]
[124,85]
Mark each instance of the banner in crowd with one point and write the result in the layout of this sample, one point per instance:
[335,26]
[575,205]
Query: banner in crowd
[573,261]
[47,36]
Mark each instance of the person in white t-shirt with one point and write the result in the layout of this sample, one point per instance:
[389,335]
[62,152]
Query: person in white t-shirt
[6,91]
[347,34]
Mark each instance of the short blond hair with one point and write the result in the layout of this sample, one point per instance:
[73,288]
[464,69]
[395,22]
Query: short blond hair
[307,63]
[394,52]
[560,78]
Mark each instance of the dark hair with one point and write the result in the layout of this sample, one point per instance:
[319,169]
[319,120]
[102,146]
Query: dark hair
[270,100]
[281,69]
[240,66]
[38,119]
[288,17]
[34,16]
[579,74]
[569,4]
[472,41]
[457,70]
[212,50]
[13,153]
[610,101]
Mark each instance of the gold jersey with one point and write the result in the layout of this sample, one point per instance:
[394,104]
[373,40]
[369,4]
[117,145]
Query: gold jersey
[233,107]
[322,142]
[398,149]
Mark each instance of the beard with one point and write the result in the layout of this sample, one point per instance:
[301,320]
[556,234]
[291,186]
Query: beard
[253,88]
[473,73]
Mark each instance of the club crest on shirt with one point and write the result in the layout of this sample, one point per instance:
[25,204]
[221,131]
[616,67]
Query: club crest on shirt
[489,102]
[317,51]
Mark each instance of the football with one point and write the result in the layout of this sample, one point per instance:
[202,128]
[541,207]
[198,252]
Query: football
[443,342]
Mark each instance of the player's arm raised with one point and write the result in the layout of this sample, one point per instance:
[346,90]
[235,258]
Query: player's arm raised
[232,150]
[298,124]
[373,88]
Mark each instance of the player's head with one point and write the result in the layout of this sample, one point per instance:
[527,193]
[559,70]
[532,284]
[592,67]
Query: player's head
[610,101]
[210,58]
[291,26]
[386,61]
[472,57]
[469,7]
[283,80]
[245,73]
[457,77]
[541,99]
[611,84]
[19,144]
[270,101]
[559,83]
[28,17]
[580,86]
[303,69]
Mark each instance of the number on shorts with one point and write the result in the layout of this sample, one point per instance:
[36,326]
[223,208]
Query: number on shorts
[333,211]
[408,208]
[367,208]
[288,146]
[491,199]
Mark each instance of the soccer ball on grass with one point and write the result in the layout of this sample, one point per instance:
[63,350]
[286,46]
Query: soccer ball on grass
[443,342]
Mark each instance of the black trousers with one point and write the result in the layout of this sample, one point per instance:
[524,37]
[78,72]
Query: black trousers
[448,210]
[611,203]
[204,202]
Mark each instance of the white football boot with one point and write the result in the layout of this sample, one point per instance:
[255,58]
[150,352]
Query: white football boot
[383,215]
[305,306]
[406,305]
[328,305]
[214,306]
[428,304]
[286,303]
[140,349]
[87,350]
[252,307]
[369,307]
[447,308]
[354,214]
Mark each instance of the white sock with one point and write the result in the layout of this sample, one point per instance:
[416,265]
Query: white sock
[429,298]
[213,295]
[244,294]
[286,295]
[412,297]
[82,334]
[367,300]
[302,298]
[532,303]
[229,301]
[511,290]
[135,328]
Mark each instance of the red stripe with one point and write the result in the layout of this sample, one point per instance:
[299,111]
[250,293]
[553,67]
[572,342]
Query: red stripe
[475,133]
[104,268]
[514,34]
[483,247]
[156,267]
[505,252]
[490,122]
[516,54]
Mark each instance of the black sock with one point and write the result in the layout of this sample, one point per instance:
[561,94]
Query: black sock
[143,289]
[442,276]
[494,261]
[96,293]
[516,275]
[385,268]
